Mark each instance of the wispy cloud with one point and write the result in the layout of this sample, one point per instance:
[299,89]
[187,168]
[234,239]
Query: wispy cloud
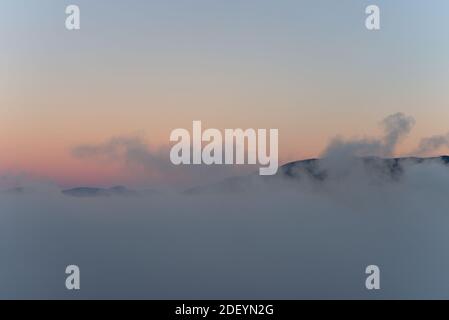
[131,150]
[396,127]
[432,144]
[135,154]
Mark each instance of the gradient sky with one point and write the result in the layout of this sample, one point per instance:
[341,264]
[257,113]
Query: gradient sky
[309,68]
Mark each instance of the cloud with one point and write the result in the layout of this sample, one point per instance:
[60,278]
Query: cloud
[431,144]
[132,151]
[341,156]
[396,127]
[293,242]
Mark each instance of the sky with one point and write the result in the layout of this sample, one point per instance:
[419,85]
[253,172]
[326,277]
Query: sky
[143,68]
[139,69]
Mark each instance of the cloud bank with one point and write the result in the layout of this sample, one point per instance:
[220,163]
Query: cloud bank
[396,127]
[295,240]
[289,237]
[432,144]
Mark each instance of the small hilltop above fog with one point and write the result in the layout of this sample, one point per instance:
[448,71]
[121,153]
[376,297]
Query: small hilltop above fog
[86,192]
[312,172]
[321,171]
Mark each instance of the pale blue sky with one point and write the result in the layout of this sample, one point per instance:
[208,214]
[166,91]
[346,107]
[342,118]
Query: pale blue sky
[309,68]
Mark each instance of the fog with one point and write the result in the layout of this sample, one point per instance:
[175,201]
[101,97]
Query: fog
[296,240]
[309,232]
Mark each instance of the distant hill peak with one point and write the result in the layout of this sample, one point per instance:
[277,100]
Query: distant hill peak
[88,192]
[318,170]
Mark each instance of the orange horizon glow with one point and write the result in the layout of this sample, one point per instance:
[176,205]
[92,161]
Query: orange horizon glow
[252,66]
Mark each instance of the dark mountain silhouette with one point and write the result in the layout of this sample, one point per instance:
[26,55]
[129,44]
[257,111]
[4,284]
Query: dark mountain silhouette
[392,167]
[315,170]
[99,192]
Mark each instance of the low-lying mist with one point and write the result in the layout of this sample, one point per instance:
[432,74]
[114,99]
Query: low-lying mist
[309,232]
[282,238]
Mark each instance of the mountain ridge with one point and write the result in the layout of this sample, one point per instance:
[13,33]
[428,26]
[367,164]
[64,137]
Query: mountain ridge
[392,168]
[87,192]
[312,169]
